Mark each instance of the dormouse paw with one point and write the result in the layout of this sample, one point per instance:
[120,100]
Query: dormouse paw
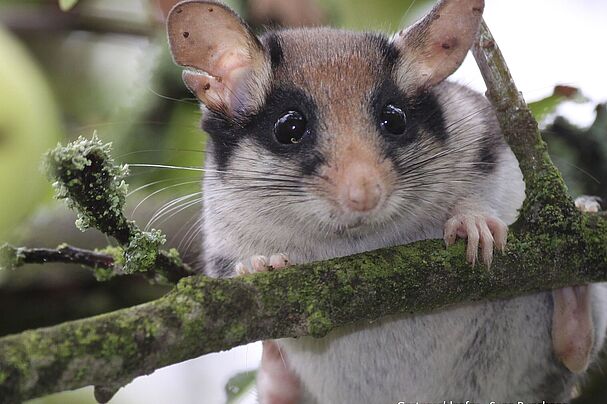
[261,263]
[486,231]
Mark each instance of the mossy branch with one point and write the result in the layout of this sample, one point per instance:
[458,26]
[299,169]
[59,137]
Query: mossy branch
[205,315]
[548,207]
[86,176]
[553,246]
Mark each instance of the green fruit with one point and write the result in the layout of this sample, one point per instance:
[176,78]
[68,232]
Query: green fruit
[29,125]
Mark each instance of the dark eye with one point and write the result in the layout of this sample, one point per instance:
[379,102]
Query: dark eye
[393,119]
[290,127]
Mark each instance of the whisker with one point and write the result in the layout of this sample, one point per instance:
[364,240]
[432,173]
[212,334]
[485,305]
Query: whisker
[192,238]
[175,210]
[409,8]
[167,167]
[157,150]
[83,128]
[580,169]
[152,184]
[157,192]
[206,170]
[190,226]
[171,206]
[190,100]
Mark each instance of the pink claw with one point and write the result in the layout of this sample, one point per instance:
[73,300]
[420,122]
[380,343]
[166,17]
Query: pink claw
[479,230]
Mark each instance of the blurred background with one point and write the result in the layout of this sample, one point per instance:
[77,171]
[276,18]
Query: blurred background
[70,68]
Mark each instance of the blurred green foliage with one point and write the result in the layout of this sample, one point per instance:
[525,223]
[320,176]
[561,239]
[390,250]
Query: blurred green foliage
[239,386]
[80,396]
[67,5]
[29,125]
[544,108]
[379,15]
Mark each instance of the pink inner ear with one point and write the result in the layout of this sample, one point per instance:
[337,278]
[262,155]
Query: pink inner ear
[227,93]
[225,59]
[436,45]
[226,89]
[222,86]
[200,84]
[229,66]
[233,68]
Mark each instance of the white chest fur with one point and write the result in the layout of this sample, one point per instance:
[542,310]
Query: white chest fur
[495,351]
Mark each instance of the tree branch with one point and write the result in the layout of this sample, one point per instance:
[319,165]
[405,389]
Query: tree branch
[553,246]
[548,207]
[24,20]
[205,315]
[64,253]
[14,257]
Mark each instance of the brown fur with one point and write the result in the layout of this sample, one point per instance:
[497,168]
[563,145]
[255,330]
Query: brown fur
[319,62]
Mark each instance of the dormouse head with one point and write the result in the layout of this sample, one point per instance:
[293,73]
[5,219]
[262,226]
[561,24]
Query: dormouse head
[338,123]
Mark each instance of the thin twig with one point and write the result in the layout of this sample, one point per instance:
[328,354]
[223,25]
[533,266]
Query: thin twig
[67,254]
[14,257]
[45,20]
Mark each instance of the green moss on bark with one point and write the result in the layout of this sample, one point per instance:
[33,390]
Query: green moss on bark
[205,315]
[142,251]
[318,323]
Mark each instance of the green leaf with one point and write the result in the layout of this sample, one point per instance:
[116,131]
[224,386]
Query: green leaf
[67,5]
[239,385]
[546,106]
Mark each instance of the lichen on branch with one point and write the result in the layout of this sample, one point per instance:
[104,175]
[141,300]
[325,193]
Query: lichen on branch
[11,257]
[203,315]
[87,177]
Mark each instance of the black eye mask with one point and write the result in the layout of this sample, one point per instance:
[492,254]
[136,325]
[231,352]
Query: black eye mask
[401,119]
[289,114]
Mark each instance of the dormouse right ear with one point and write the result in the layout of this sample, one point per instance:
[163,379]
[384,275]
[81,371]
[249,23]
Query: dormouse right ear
[226,65]
[435,46]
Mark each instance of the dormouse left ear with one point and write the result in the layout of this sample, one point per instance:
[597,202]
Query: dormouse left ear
[226,65]
[435,46]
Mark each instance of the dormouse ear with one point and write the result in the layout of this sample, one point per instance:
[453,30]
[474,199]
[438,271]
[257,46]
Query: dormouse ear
[227,68]
[435,46]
